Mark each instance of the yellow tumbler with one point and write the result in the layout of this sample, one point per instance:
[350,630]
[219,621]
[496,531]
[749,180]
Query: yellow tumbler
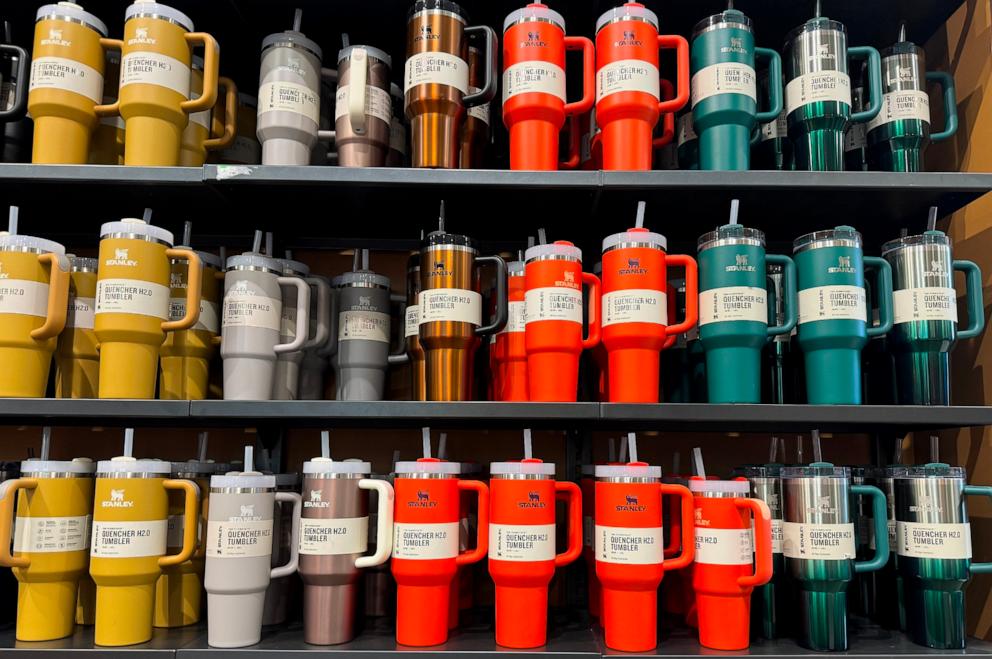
[199,135]
[77,362]
[132,304]
[107,143]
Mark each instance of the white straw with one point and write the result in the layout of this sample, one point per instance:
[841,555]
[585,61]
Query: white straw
[817,451]
[325,443]
[187,233]
[542,236]
[249,464]
[12,220]
[528,445]
[222,253]
[345,39]
[632,446]
[773,449]
[934,448]
[440,217]
[356,260]
[641,207]
[530,242]
[903,232]
[128,442]
[46,442]
[297,19]
[427,442]
[735,206]
[201,446]
[932,219]
[289,254]
[697,460]
[799,450]
[442,446]
[611,451]
[623,451]
[147,215]
[256,244]
[268,243]
[365,259]
[897,456]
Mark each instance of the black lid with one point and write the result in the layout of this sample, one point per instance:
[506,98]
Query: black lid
[443,5]
[443,238]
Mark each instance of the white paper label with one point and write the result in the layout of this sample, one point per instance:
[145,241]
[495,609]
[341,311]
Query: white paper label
[451,304]
[832,303]
[481,111]
[437,68]
[519,542]
[723,546]
[687,131]
[951,541]
[412,327]
[854,137]
[775,129]
[377,103]
[925,303]
[51,534]
[516,317]
[819,86]
[136,296]
[904,104]
[363,326]
[553,303]
[239,538]
[627,75]
[331,537]
[67,75]
[724,78]
[128,539]
[24,296]
[148,68]
[533,76]
[635,305]
[630,546]
[209,319]
[731,303]
[425,541]
[776,536]
[588,530]
[243,308]
[832,542]
[81,312]
[289,97]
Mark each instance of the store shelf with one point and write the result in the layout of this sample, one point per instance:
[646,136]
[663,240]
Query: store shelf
[89,412]
[162,646]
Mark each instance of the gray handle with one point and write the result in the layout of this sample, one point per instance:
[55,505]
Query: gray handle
[302,314]
[294,544]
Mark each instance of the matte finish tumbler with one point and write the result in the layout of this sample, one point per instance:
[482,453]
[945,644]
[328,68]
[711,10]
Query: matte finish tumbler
[245,149]
[286,382]
[771,608]
[51,540]
[925,314]
[334,533]
[833,312]
[202,134]
[733,310]
[509,346]
[362,118]
[627,83]
[818,540]
[107,142]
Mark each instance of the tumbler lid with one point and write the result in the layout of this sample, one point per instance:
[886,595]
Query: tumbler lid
[292,39]
[534,12]
[725,19]
[18,242]
[158,10]
[770,470]
[559,248]
[74,466]
[363,279]
[254,260]
[82,263]
[530,466]
[816,469]
[632,11]
[441,238]
[123,464]
[437,5]
[813,25]
[925,238]
[291,267]
[635,237]
[629,470]
[320,465]
[246,479]
[697,484]
[903,48]
[428,466]
[72,11]
[371,51]
[137,227]
[842,236]
[929,470]
[731,234]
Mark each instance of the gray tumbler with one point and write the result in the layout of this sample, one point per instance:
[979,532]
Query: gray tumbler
[285,384]
[362,120]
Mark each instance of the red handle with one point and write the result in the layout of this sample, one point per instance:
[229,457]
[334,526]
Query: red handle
[588,74]
[691,294]
[670,339]
[573,144]
[688,528]
[681,47]
[482,531]
[674,536]
[595,302]
[574,522]
[667,119]
[762,542]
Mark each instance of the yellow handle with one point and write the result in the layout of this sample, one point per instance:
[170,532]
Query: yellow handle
[114,109]
[230,116]
[194,275]
[58,297]
[190,513]
[9,491]
[211,65]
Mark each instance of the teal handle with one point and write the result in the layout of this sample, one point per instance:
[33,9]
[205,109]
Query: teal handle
[788,292]
[774,84]
[756,135]
[976,302]
[880,518]
[946,83]
[874,82]
[883,293]
[979,491]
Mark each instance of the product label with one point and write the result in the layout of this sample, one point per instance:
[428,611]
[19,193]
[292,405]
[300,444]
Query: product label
[67,75]
[926,303]
[128,539]
[136,296]
[148,68]
[854,137]
[81,312]
[627,75]
[331,537]
[24,296]
[832,542]
[52,534]
[425,541]
[515,542]
[733,303]
[951,541]
[363,326]
[686,131]
[631,546]
[724,78]
[775,129]
[635,305]
[289,97]
[516,317]
[397,136]
[723,546]
[776,536]
[244,308]
[819,86]
[481,111]
[533,76]
[832,303]
[239,538]
[451,304]
[437,68]
[412,327]
[904,104]
[209,317]
[553,303]
[377,103]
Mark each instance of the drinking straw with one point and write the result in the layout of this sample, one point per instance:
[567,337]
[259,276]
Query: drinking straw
[325,444]
[528,445]
[427,441]
[697,460]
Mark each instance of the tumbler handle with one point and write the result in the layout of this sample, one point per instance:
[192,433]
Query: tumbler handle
[880,519]
[969,490]
[400,356]
[883,290]
[114,109]
[302,314]
[358,75]
[574,522]
[594,309]
[384,529]
[588,75]
[294,544]
[973,293]
[191,510]
[762,535]
[323,303]
[874,82]
[8,497]
[58,297]
[681,47]
[502,313]
[211,73]
[946,83]
[688,552]
[482,531]
[230,116]
[194,276]
[789,294]
[691,297]
[21,76]
[488,90]
[668,119]
[774,85]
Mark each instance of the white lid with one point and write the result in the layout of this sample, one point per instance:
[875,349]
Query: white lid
[289,266]
[371,51]
[124,464]
[148,7]
[515,269]
[702,485]
[655,240]
[254,260]
[321,465]
[629,470]
[523,467]
[557,248]
[73,11]
[626,12]
[428,466]
[74,466]
[138,227]
[255,479]
[15,242]
[362,278]
[530,12]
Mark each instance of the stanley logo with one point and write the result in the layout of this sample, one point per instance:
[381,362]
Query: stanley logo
[631,505]
[426,34]
[121,259]
[629,39]
[316,500]
[55,39]
[423,500]
[117,500]
[141,37]
[633,268]
[533,501]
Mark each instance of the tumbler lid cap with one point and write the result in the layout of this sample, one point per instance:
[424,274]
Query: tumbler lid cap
[638,236]
[254,260]
[697,484]
[428,466]
[246,479]
[363,278]
[630,470]
[15,242]
[816,469]
[151,8]
[737,18]
[292,38]
[930,470]
[321,465]
[72,10]
[371,51]
[557,248]
[535,11]
[74,466]
[629,11]
[291,267]
[530,466]
[731,234]
[841,236]
[926,238]
[126,464]
[138,227]
[515,269]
